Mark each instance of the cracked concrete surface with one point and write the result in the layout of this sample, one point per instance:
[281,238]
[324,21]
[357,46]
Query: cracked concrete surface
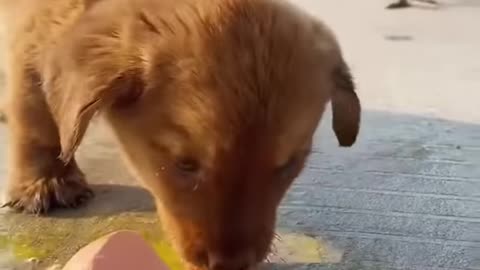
[406,196]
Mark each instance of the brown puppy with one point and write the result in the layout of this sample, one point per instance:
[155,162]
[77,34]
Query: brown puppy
[214,103]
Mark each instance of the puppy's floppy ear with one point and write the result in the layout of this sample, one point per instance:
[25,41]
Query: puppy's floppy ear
[346,106]
[86,72]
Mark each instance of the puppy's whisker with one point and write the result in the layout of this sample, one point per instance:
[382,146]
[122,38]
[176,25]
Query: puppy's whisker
[196,185]
[277,236]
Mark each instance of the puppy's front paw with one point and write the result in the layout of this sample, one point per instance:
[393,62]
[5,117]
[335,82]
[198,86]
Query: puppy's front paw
[41,195]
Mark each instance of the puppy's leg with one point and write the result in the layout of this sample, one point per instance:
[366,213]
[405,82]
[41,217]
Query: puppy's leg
[38,180]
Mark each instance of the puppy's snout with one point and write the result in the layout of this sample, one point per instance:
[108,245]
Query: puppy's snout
[238,261]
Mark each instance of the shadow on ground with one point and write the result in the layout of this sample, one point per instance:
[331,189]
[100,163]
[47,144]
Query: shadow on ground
[407,196]
[104,204]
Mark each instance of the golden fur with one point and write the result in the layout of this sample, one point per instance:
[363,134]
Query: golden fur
[214,104]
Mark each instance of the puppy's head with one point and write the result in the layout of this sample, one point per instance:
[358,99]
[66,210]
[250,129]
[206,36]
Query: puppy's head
[215,107]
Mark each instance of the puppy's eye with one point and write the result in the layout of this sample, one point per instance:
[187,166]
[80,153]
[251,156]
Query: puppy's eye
[188,166]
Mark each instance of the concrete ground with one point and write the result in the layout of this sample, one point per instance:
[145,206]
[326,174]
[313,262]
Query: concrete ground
[407,196]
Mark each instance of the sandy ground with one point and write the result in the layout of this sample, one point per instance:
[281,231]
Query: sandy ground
[407,196]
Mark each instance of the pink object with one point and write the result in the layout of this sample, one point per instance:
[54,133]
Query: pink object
[122,250]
